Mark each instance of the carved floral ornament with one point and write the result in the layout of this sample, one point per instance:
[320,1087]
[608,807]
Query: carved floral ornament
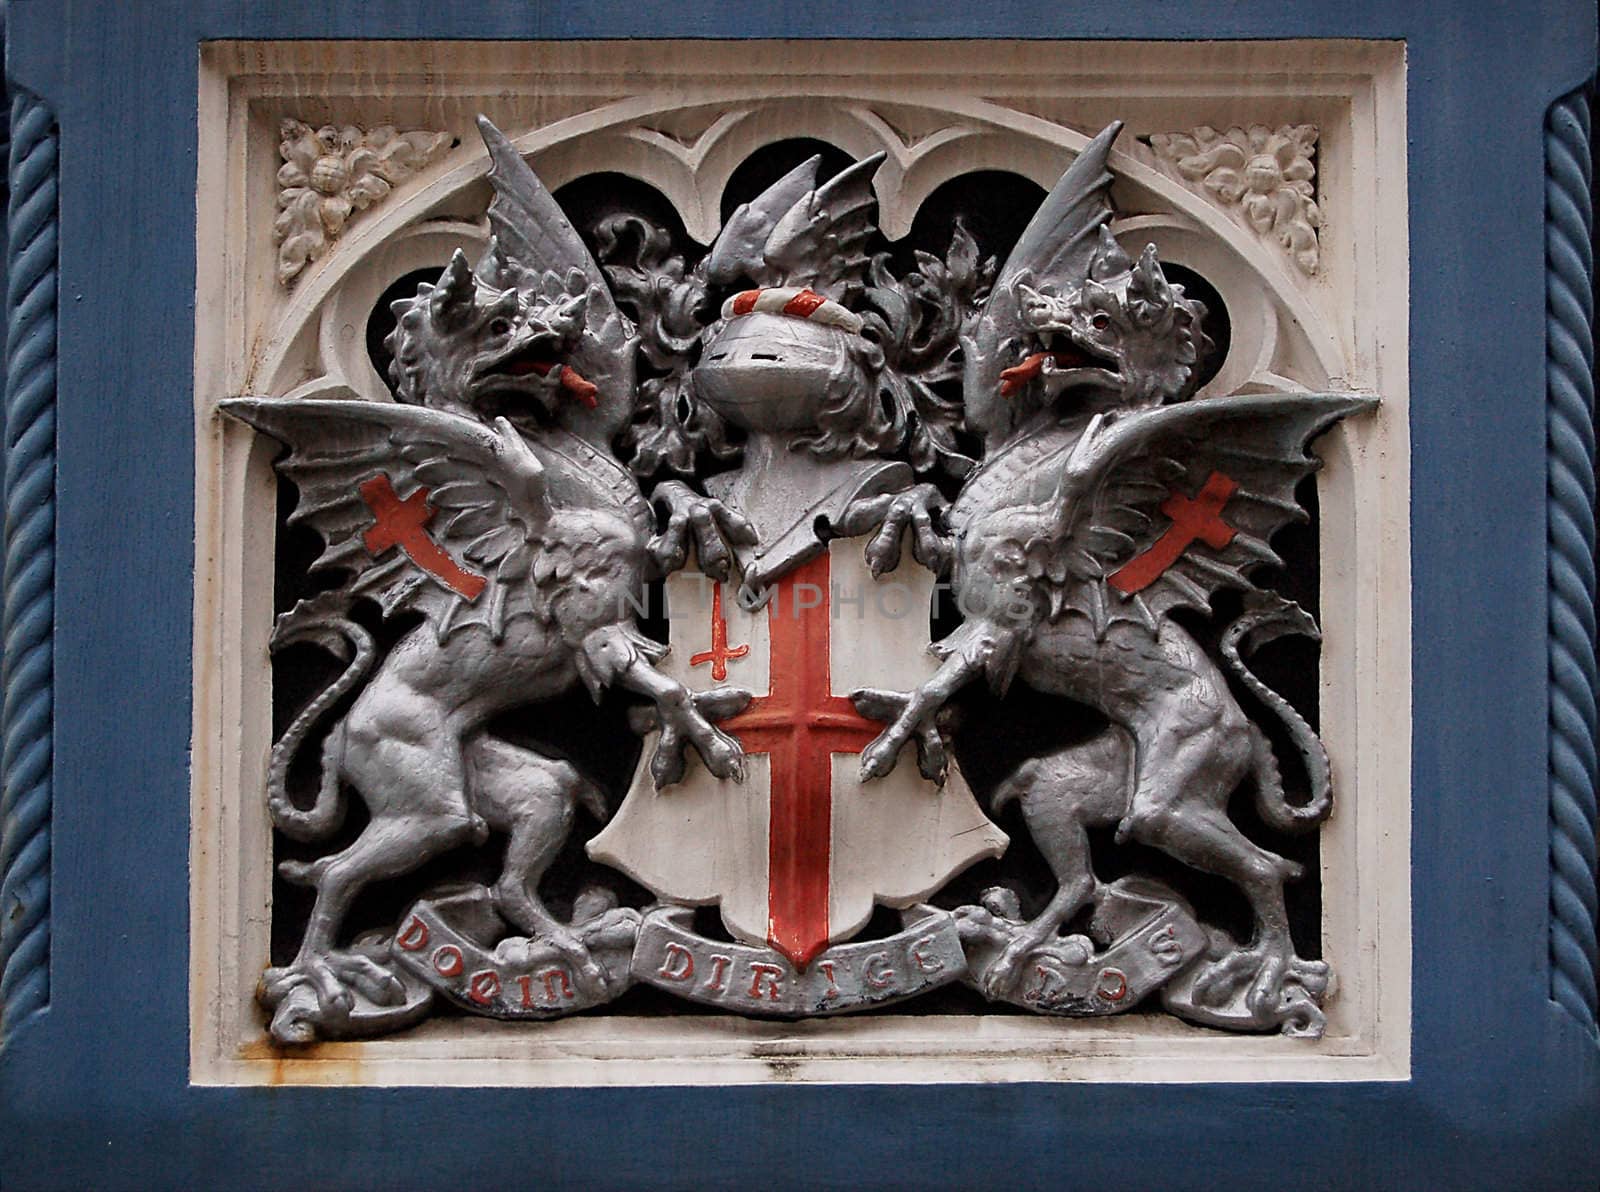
[1267,174]
[802,410]
[329,173]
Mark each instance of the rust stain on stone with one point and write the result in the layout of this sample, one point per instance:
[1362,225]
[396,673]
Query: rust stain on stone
[308,1064]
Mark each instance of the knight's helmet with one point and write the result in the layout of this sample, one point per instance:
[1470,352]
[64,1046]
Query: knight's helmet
[789,355]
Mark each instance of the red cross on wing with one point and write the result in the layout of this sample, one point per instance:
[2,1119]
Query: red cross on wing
[1161,508]
[419,508]
[402,525]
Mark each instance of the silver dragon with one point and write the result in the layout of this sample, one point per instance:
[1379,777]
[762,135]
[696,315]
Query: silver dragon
[1078,372]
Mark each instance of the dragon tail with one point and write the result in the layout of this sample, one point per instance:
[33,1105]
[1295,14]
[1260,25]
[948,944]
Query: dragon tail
[1268,616]
[322,621]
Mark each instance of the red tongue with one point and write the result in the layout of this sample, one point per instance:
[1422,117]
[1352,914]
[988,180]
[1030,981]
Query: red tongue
[585,391]
[1014,378]
[571,380]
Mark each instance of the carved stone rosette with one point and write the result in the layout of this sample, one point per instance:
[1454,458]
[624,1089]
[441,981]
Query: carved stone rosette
[1267,175]
[329,173]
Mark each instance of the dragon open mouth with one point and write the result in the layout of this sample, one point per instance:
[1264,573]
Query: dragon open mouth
[536,359]
[541,359]
[1059,354]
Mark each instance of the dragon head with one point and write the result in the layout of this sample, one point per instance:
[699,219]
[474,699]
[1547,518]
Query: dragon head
[471,348]
[1126,335]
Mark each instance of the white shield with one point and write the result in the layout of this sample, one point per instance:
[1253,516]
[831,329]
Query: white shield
[799,852]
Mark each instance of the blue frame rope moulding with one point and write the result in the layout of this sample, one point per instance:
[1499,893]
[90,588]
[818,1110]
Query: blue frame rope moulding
[97,625]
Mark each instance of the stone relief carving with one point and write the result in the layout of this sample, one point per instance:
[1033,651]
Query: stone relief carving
[1267,174]
[330,173]
[797,407]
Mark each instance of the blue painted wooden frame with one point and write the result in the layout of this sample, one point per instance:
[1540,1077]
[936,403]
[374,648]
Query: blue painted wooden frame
[1505,1089]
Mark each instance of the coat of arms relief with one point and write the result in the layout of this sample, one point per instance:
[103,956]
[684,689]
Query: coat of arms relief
[924,580]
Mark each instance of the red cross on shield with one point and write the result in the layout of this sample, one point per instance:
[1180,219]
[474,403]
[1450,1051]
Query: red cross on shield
[798,854]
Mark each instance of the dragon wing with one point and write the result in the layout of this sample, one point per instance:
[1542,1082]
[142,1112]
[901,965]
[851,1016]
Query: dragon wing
[1053,251]
[420,508]
[739,248]
[1164,507]
[820,241]
[796,233]
[534,245]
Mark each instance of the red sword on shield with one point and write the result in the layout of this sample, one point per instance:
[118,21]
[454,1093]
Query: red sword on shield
[720,654]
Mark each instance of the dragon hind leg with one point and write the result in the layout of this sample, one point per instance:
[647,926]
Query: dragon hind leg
[412,776]
[1179,805]
[387,847]
[534,800]
[1062,794]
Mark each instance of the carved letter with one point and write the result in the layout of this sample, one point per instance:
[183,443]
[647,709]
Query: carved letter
[677,952]
[878,980]
[1166,947]
[771,972]
[1042,992]
[921,960]
[550,976]
[719,967]
[1113,985]
[447,961]
[484,986]
[415,936]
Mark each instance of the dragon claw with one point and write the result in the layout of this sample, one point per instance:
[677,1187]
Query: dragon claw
[316,995]
[302,873]
[894,708]
[1271,985]
[1003,973]
[891,515]
[694,723]
[366,975]
[711,527]
[933,761]
[586,971]
[723,757]
[722,702]
[878,759]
